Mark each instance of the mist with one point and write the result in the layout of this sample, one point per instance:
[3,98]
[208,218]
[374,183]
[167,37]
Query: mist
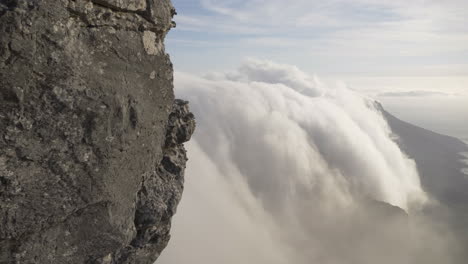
[284,169]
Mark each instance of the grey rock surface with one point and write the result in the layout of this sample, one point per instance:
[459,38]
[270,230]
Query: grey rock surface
[91,155]
[160,192]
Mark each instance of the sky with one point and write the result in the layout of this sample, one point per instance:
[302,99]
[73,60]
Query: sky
[407,54]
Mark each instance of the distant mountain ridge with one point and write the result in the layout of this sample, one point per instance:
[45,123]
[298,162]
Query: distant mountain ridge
[438,160]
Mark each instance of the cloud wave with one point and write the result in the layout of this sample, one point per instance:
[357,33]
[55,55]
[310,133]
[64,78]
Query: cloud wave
[286,170]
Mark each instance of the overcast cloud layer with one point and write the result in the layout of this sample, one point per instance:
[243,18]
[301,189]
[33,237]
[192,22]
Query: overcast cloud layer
[420,37]
[286,170]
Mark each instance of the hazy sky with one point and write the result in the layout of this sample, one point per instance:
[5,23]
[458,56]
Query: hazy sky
[398,37]
[397,50]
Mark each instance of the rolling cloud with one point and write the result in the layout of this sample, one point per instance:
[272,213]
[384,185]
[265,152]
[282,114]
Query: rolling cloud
[285,170]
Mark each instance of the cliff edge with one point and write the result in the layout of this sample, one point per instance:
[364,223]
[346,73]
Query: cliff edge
[91,154]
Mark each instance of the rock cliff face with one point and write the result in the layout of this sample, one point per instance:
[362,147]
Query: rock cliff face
[91,155]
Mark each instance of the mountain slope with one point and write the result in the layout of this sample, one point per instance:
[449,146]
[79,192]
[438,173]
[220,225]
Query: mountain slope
[440,168]
[438,159]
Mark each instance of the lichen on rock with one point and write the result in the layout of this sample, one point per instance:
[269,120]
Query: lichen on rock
[84,119]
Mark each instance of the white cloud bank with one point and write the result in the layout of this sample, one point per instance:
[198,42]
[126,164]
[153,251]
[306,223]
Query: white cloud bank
[280,127]
[285,170]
